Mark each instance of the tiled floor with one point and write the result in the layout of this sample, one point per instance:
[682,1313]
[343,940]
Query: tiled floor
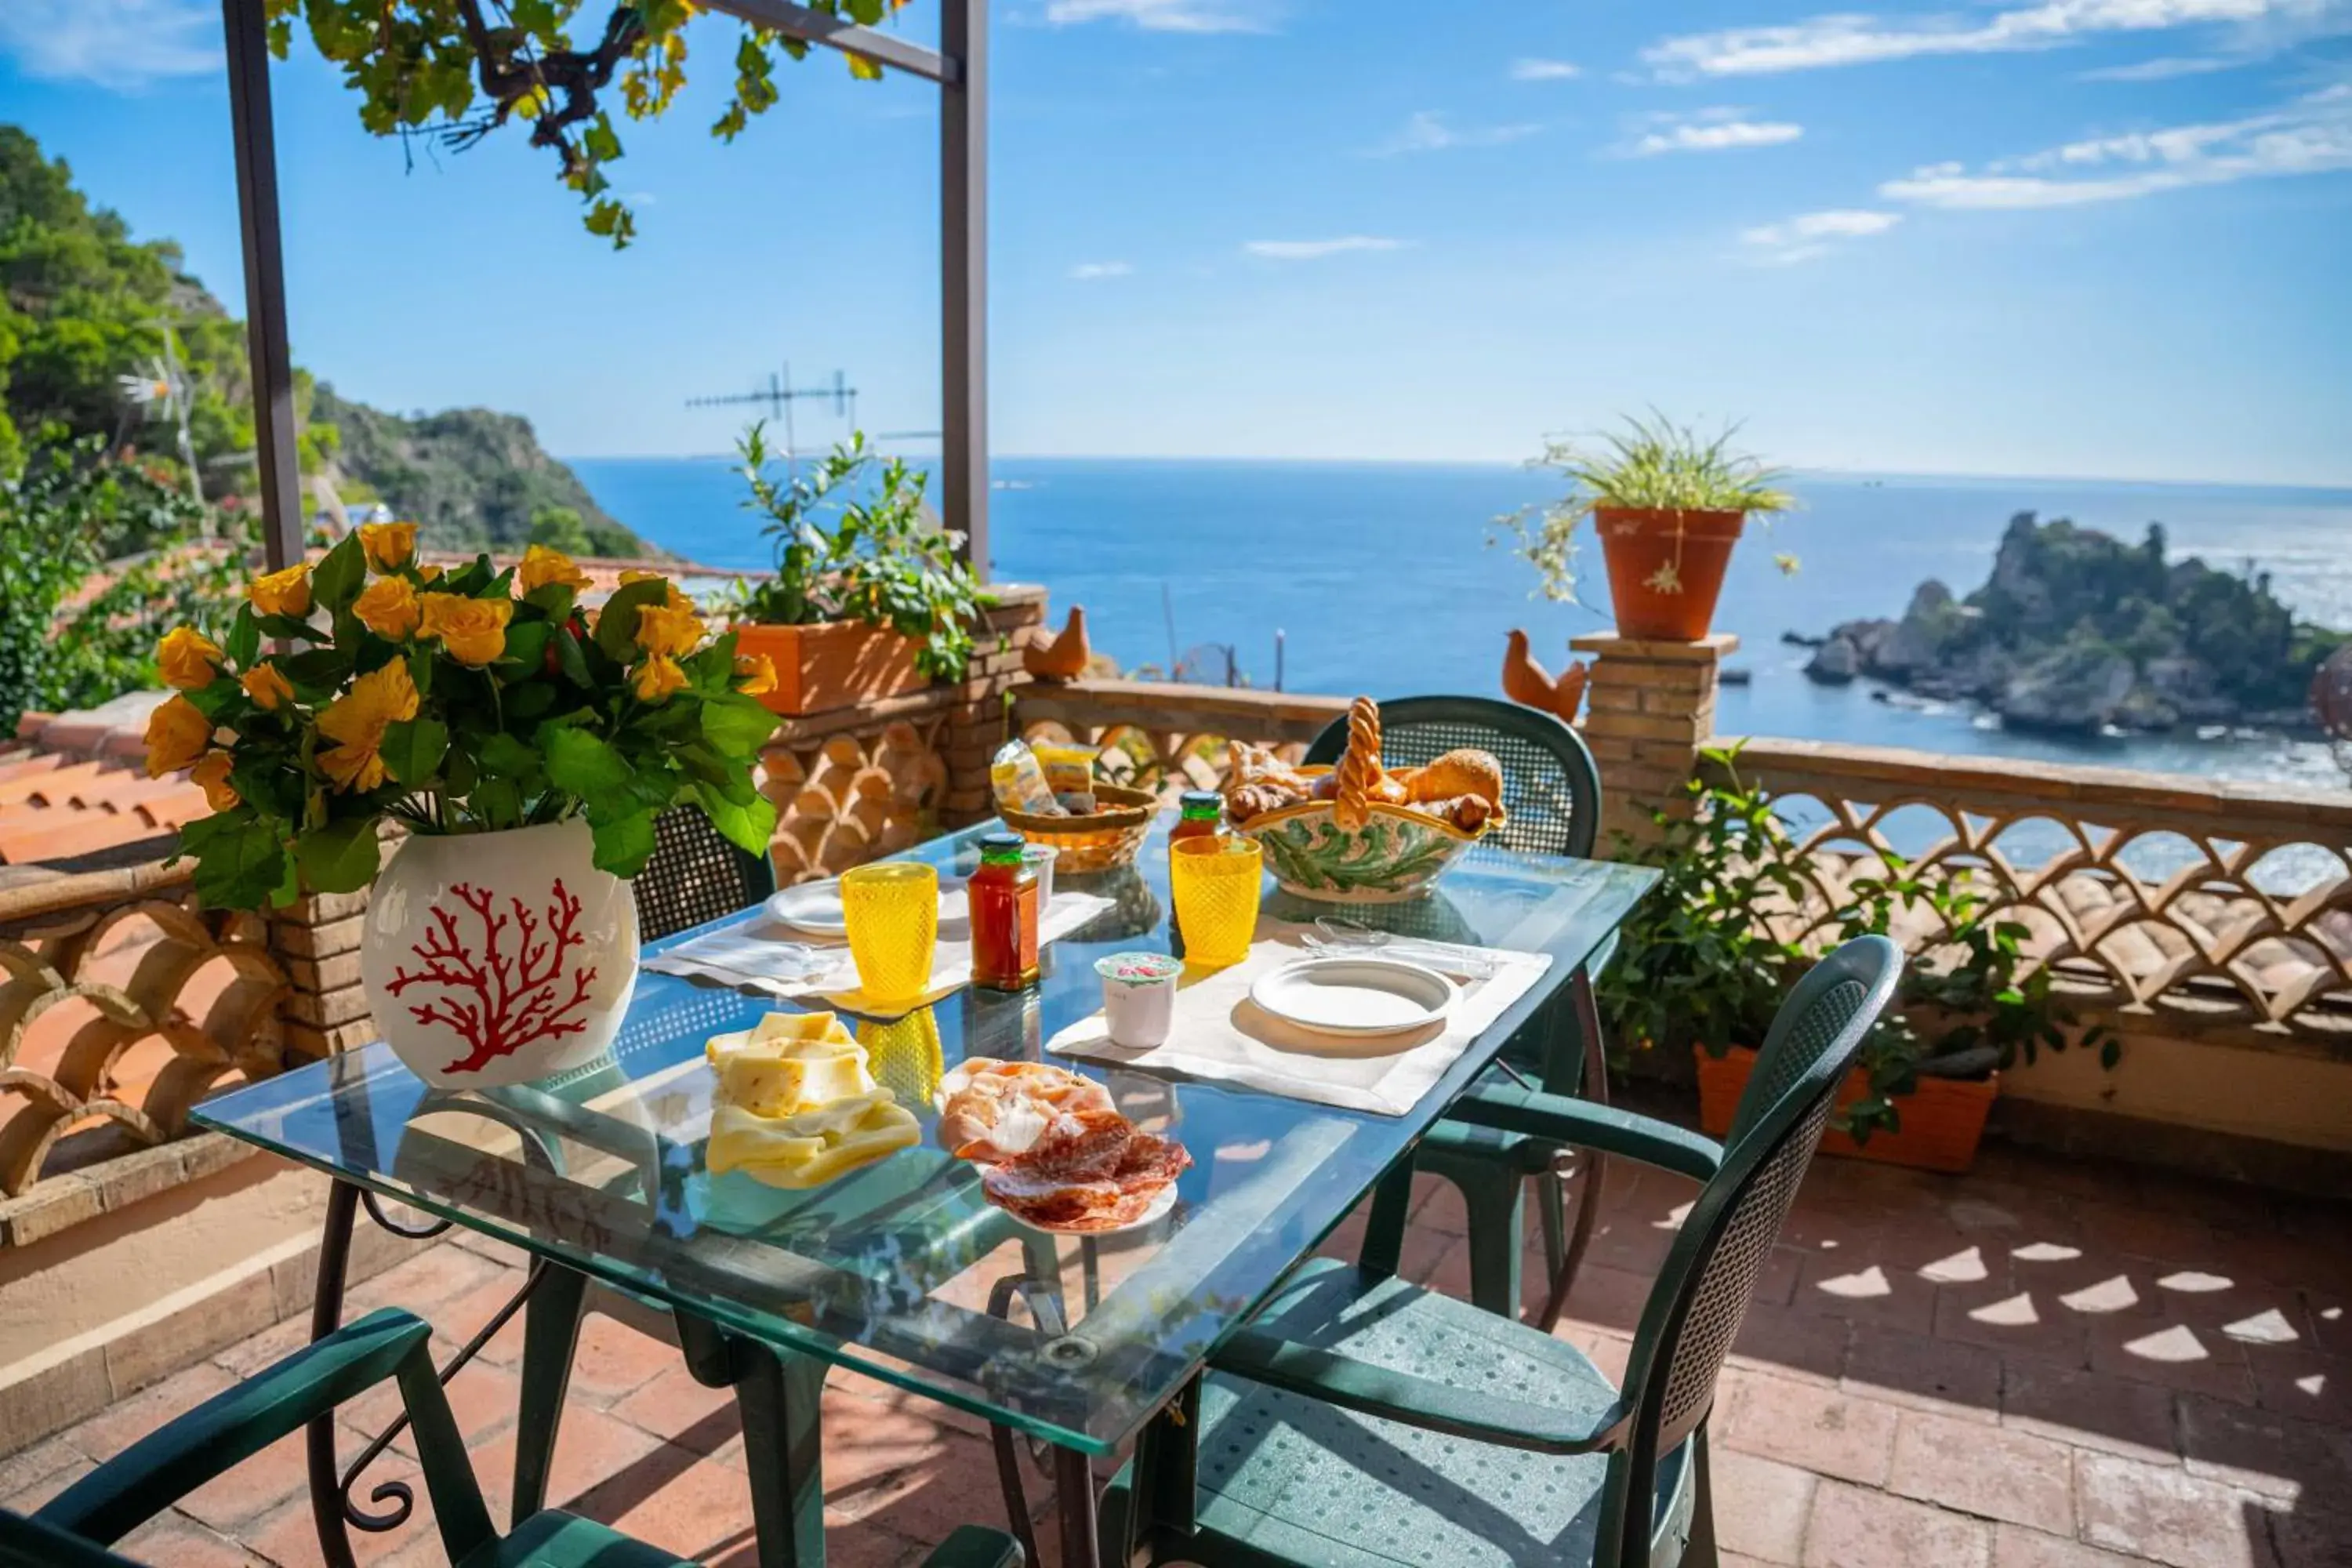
[2044,1364]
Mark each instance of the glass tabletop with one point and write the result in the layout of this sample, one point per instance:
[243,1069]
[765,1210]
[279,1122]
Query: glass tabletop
[903,1269]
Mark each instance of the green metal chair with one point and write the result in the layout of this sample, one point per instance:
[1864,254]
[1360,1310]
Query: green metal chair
[1551,791]
[77,1530]
[1359,1419]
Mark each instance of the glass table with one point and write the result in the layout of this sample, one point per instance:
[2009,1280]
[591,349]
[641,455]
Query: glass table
[902,1270]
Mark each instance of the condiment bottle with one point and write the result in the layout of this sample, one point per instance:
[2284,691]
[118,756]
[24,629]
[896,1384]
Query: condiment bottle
[1203,811]
[1004,900]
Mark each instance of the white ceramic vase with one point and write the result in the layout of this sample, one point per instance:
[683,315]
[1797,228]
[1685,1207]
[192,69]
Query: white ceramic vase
[496,958]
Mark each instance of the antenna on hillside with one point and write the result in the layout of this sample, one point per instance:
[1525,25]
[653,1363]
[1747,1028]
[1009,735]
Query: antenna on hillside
[780,394]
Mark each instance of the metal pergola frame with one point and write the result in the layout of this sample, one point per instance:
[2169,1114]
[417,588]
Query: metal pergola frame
[959,67]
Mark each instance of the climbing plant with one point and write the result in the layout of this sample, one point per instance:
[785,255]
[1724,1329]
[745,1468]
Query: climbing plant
[459,71]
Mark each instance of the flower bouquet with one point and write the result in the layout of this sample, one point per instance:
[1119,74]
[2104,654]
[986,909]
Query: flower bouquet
[526,745]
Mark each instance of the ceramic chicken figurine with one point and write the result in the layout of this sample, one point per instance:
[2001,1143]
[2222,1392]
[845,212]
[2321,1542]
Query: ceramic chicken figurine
[1528,684]
[1064,657]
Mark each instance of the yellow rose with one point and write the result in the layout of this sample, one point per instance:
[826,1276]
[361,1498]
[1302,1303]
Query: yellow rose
[188,659]
[177,734]
[355,721]
[388,607]
[541,566]
[667,632]
[286,593]
[388,546]
[269,689]
[657,678]
[677,600]
[757,674]
[473,630]
[213,775]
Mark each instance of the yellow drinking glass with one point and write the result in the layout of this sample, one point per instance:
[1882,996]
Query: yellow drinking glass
[892,909]
[1216,883]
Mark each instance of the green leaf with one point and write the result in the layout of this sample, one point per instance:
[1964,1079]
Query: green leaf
[554,598]
[240,863]
[584,764]
[508,757]
[624,844]
[323,666]
[287,626]
[530,700]
[498,803]
[335,581]
[616,626]
[570,659]
[412,748]
[340,858]
[747,824]
[244,645]
[420,670]
[737,725]
[526,645]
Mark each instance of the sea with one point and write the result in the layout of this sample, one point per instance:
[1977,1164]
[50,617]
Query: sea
[1381,578]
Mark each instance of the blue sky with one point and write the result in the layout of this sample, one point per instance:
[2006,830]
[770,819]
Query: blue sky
[2098,238]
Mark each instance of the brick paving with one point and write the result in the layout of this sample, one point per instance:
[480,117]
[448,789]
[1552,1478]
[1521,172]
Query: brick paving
[2044,1364]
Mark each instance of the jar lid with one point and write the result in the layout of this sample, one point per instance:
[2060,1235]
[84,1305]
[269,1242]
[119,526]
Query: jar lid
[996,843]
[1201,799]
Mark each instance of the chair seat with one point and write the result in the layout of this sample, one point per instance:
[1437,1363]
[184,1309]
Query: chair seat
[554,1539]
[1298,1479]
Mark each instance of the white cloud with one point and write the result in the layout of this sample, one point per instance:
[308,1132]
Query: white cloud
[115,43]
[2165,68]
[1708,131]
[1428,133]
[1846,38]
[2312,135]
[1809,234]
[1090,271]
[1316,250]
[1162,16]
[1529,69]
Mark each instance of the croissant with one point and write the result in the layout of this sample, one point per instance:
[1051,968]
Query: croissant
[1246,802]
[1359,770]
[1459,773]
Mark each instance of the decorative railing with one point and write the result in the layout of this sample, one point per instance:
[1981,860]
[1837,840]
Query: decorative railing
[121,1005]
[2202,904]
[2202,901]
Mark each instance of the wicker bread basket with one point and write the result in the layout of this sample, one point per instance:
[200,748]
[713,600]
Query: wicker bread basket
[1106,838]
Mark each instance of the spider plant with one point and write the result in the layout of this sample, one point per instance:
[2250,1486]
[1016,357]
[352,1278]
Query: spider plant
[1648,464]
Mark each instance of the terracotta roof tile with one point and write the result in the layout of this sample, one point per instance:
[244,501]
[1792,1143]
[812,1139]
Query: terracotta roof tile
[73,786]
[51,787]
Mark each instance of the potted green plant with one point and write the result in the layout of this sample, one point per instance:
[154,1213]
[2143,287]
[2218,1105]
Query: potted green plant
[1668,504]
[1697,963]
[868,600]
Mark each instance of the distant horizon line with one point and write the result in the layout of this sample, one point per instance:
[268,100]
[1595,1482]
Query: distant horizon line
[2336,487]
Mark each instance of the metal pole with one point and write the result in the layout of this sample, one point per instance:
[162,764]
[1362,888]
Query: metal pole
[963,276]
[265,280]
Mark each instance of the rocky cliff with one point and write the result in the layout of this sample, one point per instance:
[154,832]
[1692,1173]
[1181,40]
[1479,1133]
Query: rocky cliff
[2077,631]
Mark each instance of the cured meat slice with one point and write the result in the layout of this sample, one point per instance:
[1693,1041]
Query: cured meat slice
[1088,1171]
[1002,1109]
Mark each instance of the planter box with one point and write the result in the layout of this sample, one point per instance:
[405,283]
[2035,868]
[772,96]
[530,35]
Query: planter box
[1942,1121]
[837,663]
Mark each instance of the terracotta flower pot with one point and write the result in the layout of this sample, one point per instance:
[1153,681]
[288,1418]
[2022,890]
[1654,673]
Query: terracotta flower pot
[1942,1121]
[1666,568]
[497,958]
[833,664]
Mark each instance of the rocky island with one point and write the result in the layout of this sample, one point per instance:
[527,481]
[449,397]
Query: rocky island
[2077,631]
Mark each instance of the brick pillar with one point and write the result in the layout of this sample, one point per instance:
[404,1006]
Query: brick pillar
[1651,707]
[976,727]
[317,940]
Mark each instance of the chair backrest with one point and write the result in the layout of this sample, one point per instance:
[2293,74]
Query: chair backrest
[696,875]
[1701,1294]
[1552,791]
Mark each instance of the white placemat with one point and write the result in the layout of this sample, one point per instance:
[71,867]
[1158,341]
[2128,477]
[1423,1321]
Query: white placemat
[1222,1036]
[763,955]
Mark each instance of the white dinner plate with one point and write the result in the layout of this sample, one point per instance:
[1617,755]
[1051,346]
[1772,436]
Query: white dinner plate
[1355,995]
[815,907]
[1159,1209]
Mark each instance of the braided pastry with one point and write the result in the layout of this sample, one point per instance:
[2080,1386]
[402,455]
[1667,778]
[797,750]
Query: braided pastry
[1359,769]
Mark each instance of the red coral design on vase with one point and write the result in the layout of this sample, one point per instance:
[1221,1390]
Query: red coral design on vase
[500,1001]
